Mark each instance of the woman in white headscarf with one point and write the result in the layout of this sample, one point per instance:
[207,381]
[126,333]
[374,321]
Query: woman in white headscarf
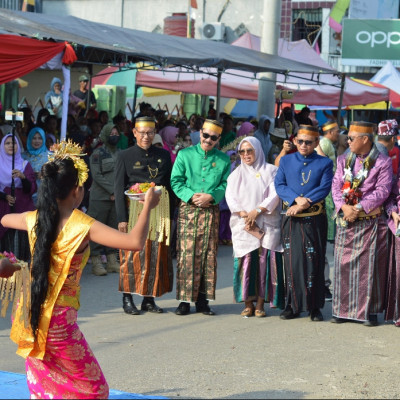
[254,204]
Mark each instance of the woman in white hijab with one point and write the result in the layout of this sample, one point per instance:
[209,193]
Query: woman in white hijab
[255,225]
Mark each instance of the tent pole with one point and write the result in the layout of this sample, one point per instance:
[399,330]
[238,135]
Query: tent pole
[339,113]
[219,73]
[90,69]
[134,101]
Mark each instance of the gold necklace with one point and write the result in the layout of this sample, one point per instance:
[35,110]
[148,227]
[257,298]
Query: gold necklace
[305,181]
[153,172]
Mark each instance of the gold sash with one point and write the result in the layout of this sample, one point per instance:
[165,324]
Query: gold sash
[62,252]
[160,220]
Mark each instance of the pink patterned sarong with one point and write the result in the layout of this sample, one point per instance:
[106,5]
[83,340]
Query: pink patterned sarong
[69,369]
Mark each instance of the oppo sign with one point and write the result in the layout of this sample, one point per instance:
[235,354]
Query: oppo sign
[370,42]
[378,37]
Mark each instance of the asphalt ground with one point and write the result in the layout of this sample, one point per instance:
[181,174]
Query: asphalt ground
[226,355]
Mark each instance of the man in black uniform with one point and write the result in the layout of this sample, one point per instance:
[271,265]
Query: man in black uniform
[149,272]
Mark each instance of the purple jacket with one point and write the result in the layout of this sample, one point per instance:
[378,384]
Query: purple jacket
[375,188]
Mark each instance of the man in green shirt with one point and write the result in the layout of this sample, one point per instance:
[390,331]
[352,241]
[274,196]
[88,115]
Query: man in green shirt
[199,178]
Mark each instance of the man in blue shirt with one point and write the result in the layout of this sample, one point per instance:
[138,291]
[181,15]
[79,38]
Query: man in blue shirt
[302,182]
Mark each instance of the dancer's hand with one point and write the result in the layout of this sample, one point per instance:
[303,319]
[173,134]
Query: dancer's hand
[7,269]
[152,198]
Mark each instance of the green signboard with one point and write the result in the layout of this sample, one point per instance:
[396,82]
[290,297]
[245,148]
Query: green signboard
[371,42]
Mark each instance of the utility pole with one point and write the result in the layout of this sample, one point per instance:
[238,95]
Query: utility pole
[269,44]
[122,12]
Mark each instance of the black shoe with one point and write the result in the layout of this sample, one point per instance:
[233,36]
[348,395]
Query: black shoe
[183,308]
[202,305]
[328,294]
[336,320]
[372,320]
[205,309]
[151,307]
[128,305]
[316,315]
[288,313]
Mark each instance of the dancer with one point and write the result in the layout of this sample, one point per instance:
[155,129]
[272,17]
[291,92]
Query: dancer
[59,362]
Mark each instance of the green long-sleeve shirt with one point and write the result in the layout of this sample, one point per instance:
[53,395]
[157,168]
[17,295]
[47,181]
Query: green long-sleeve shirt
[197,171]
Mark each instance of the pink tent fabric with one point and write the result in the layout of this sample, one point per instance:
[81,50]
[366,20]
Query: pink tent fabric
[324,93]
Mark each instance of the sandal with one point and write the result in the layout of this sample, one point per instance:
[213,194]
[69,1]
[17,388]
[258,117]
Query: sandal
[260,313]
[247,312]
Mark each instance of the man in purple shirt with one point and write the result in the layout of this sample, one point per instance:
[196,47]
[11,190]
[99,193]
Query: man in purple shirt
[361,185]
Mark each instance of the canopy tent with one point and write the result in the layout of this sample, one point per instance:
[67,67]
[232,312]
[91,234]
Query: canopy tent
[106,44]
[97,43]
[324,90]
[387,77]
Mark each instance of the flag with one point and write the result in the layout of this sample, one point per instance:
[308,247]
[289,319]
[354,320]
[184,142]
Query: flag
[337,14]
[193,3]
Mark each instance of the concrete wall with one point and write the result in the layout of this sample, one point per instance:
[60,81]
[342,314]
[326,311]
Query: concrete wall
[148,14]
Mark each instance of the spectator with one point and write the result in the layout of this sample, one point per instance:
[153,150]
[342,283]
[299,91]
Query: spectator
[20,201]
[303,117]
[54,98]
[37,154]
[83,92]
[169,138]
[255,205]
[101,199]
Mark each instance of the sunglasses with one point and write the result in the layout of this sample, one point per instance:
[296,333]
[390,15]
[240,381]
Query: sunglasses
[246,151]
[306,142]
[214,138]
[352,138]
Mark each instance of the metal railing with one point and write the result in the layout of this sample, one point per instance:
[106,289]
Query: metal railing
[177,110]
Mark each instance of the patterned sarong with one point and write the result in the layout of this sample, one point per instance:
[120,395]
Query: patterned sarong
[259,274]
[69,369]
[197,245]
[304,244]
[361,260]
[149,272]
[392,303]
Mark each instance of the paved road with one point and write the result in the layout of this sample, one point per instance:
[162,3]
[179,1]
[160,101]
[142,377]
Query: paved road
[227,356]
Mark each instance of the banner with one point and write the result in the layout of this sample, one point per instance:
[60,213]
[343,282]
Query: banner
[371,42]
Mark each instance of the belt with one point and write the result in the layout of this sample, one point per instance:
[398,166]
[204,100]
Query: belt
[315,209]
[372,215]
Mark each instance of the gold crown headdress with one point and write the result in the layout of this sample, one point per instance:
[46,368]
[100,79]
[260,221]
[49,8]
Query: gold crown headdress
[69,149]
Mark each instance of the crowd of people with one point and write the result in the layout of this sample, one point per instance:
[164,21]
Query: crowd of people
[275,189]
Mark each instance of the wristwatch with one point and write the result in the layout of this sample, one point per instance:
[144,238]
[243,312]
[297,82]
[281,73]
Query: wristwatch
[259,211]
[359,206]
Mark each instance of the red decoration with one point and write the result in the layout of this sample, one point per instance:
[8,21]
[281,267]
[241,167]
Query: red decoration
[69,56]
[350,196]
[20,55]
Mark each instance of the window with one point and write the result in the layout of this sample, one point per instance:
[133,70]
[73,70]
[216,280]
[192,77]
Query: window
[306,24]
